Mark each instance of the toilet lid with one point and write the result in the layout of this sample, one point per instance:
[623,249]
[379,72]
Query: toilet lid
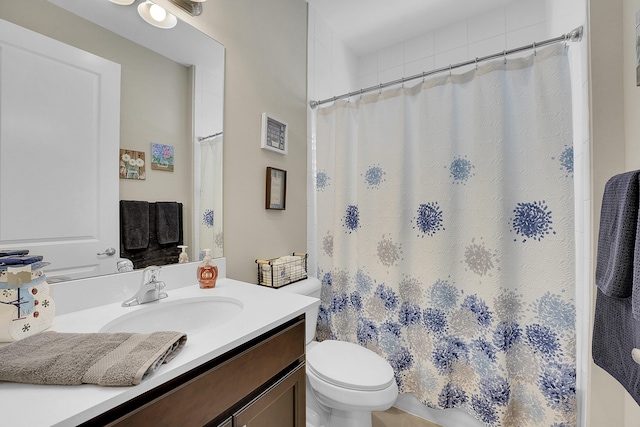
[349,366]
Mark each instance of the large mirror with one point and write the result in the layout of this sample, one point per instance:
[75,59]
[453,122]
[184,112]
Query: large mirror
[170,94]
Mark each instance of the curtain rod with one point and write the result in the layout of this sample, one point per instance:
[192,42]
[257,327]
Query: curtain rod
[203,138]
[573,36]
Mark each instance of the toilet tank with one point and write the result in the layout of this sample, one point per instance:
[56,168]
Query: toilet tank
[310,287]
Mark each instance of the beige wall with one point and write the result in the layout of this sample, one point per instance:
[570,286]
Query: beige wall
[615,108]
[147,114]
[265,71]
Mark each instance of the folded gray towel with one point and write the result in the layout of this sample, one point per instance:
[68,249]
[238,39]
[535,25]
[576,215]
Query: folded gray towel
[617,236]
[134,224]
[168,222]
[106,359]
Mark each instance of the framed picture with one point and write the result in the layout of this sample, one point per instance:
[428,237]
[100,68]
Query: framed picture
[276,189]
[274,134]
[132,164]
[161,157]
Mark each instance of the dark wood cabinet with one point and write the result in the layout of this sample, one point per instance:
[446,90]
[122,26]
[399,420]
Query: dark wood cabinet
[252,385]
[274,406]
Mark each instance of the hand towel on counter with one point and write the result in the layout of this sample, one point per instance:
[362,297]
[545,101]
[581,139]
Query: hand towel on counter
[134,223]
[106,359]
[168,222]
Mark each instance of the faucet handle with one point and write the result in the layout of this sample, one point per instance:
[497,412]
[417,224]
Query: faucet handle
[150,274]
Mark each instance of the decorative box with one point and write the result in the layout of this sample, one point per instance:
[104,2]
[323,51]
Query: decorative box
[26,307]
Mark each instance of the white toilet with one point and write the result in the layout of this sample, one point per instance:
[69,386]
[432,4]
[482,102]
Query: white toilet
[345,381]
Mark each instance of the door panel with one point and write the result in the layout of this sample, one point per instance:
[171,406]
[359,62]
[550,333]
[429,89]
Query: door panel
[59,139]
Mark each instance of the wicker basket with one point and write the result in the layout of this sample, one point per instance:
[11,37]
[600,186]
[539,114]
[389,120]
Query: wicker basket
[278,272]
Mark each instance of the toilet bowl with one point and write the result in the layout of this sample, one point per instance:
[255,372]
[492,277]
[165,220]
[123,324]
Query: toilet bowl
[345,381]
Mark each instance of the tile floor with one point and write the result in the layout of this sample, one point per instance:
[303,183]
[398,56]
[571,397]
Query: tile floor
[395,417]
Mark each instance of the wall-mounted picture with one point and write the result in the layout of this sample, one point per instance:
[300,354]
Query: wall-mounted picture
[274,134]
[276,189]
[161,157]
[132,164]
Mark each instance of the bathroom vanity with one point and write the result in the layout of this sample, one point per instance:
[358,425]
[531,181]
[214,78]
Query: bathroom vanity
[259,383]
[243,369]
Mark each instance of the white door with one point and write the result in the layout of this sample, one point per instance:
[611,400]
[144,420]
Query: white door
[59,147]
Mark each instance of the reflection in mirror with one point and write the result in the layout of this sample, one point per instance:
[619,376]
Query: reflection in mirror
[174,102]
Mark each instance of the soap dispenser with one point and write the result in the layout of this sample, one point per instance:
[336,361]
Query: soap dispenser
[184,256]
[207,272]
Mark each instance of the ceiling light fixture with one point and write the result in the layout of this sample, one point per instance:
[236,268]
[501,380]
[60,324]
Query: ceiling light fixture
[192,7]
[122,2]
[156,15]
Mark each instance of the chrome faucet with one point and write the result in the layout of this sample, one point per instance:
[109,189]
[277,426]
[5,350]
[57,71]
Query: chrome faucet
[149,289]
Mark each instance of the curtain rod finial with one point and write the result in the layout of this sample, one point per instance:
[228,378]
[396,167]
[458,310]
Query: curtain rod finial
[575,35]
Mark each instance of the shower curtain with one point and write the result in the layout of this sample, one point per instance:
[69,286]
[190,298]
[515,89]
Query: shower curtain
[446,237]
[210,227]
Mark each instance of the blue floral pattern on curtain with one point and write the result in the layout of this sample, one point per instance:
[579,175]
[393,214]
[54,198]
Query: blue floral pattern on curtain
[446,237]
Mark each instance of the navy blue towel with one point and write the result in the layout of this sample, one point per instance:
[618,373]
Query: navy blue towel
[615,334]
[617,235]
[20,259]
[6,252]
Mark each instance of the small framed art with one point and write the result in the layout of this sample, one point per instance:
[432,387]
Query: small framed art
[132,164]
[276,189]
[162,157]
[274,134]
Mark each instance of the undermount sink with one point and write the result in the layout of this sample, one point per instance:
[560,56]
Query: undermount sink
[185,315]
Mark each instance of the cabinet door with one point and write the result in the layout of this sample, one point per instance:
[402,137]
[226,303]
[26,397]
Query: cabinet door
[282,405]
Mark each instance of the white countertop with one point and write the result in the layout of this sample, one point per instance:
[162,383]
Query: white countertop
[40,405]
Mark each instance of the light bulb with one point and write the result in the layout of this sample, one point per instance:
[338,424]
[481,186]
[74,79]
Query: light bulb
[157,13]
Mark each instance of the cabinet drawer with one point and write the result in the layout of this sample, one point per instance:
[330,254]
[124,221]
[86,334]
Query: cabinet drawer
[211,390]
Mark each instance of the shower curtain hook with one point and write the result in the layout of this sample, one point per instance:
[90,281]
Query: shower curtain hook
[504,53]
[449,70]
[424,75]
[476,63]
[534,49]
[380,89]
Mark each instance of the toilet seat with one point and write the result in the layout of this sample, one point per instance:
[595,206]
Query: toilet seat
[350,366]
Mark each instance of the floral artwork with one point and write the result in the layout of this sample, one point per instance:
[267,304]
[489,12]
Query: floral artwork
[161,157]
[132,164]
